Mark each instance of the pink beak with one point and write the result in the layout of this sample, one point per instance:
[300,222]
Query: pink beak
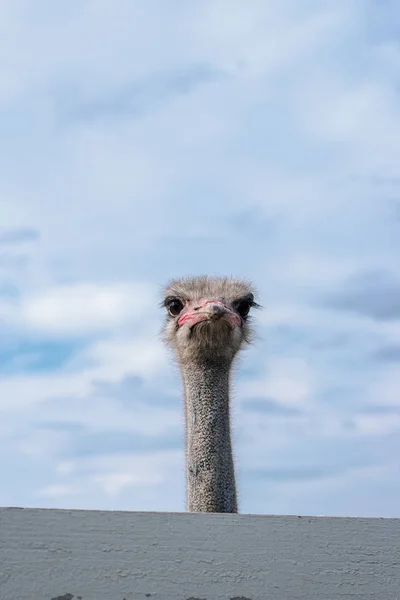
[209,310]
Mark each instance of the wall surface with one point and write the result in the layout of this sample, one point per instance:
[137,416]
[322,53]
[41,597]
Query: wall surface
[93,555]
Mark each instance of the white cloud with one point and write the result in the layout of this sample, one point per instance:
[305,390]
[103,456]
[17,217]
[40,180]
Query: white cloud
[57,490]
[121,356]
[114,483]
[267,40]
[83,309]
[65,468]
[377,424]
[112,474]
[108,361]
[385,388]
[330,322]
[288,381]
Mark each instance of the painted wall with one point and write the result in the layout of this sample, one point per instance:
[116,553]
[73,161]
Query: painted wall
[93,555]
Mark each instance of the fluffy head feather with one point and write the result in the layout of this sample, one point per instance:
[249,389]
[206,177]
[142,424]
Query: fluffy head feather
[217,321]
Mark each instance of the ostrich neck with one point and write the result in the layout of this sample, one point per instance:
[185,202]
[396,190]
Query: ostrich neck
[209,463]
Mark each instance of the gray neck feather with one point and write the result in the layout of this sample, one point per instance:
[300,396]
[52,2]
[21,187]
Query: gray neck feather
[209,463]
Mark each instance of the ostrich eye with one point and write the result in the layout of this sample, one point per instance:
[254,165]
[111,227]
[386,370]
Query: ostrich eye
[174,306]
[243,308]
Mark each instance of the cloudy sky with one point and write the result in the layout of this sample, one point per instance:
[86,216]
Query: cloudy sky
[146,140]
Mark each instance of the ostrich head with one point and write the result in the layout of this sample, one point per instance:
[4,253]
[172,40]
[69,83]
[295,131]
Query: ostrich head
[208,318]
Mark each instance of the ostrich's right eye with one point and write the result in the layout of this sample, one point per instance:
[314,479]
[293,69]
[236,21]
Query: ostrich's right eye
[174,307]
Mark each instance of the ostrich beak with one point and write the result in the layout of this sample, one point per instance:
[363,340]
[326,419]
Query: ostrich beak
[210,310]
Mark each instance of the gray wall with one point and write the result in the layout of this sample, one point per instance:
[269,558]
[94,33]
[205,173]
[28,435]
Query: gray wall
[93,555]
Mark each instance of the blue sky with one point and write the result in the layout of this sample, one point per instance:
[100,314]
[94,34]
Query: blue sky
[146,140]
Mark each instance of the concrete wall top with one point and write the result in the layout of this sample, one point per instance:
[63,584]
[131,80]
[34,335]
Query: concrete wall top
[95,555]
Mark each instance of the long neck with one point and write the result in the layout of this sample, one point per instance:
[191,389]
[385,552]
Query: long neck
[209,463]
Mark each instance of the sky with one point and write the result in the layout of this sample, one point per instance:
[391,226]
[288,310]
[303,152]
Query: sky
[147,140]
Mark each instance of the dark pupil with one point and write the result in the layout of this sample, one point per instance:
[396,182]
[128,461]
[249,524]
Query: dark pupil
[243,308]
[175,307]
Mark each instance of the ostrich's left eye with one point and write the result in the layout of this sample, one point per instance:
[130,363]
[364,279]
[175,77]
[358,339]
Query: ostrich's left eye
[174,307]
[243,308]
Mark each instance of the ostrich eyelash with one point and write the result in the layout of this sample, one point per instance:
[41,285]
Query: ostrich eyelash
[255,305]
[164,303]
[250,300]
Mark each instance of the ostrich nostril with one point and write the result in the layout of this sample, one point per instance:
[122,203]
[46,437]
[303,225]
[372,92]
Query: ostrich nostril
[217,310]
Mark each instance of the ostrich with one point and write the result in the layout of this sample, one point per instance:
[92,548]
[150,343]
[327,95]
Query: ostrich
[207,323]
